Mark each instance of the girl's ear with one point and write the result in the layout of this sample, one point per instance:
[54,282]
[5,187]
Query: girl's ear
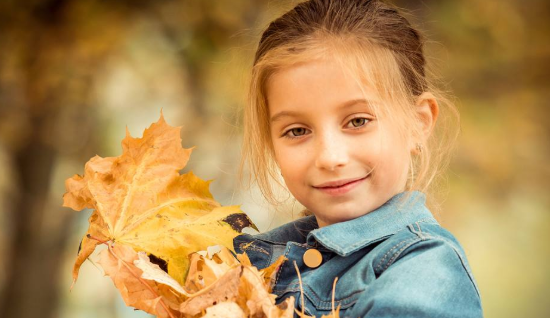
[427,110]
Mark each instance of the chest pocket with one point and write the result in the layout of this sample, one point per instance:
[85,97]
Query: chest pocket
[318,285]
[320,304]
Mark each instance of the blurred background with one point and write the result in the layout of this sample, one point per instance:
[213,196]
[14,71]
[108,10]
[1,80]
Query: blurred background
[74,74]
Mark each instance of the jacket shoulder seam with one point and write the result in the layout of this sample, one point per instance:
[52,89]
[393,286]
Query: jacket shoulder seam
[393,253]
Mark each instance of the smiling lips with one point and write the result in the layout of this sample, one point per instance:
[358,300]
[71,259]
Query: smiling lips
[339,187]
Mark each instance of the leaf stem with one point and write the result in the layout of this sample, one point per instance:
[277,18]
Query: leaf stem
[301,288]
[97,239]
[334,292]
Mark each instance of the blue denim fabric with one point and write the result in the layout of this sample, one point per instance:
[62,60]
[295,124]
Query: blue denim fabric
[395,261]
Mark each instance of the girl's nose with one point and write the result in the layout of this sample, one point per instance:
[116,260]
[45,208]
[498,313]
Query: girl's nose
[332,152]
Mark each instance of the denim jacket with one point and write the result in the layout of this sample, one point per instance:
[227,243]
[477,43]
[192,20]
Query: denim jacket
[395,261]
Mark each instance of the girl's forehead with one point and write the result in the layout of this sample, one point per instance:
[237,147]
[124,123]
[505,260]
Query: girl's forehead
[321,82]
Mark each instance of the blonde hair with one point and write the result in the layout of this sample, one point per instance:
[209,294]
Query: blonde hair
[373,43]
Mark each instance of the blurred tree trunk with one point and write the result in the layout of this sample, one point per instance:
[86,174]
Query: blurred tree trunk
[39,229]
[31,289]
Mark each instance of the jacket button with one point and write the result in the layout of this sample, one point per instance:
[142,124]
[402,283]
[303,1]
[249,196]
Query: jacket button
[313,258]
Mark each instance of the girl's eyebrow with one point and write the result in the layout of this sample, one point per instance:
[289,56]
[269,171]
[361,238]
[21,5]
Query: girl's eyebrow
[289,113]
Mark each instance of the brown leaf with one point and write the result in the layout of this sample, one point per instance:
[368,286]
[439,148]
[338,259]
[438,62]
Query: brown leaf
[118,263]
[226,288]
[217,273]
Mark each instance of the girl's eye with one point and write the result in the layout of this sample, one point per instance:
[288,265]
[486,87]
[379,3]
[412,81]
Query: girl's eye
[359,121]
[295,132]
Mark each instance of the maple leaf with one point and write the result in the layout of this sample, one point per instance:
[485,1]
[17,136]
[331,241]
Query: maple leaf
[142,201]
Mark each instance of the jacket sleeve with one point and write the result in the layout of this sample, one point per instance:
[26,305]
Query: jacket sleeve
[428,278]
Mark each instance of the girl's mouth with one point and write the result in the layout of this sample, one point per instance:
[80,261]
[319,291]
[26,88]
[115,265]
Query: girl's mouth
[342,188]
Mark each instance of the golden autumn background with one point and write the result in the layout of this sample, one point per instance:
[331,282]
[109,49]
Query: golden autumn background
[73,74]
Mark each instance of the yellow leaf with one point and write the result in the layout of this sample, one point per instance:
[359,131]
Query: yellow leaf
[141,200]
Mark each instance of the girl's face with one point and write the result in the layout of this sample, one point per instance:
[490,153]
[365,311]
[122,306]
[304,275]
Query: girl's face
[336,157]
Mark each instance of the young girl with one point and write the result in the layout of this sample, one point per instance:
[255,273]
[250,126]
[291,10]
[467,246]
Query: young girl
[340,106]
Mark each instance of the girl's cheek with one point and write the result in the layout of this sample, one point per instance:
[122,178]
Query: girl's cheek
[280,152]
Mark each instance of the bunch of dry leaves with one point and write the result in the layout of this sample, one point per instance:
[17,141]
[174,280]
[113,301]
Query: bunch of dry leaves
[169,242]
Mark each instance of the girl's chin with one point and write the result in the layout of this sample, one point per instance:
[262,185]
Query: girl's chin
[324,220]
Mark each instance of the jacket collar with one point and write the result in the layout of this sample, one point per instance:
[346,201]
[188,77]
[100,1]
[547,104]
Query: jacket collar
[347,237]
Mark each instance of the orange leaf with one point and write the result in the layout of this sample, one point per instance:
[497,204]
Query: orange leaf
[117,261]
[142,202]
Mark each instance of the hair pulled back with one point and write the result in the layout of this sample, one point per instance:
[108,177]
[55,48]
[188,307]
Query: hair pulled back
[381,23]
